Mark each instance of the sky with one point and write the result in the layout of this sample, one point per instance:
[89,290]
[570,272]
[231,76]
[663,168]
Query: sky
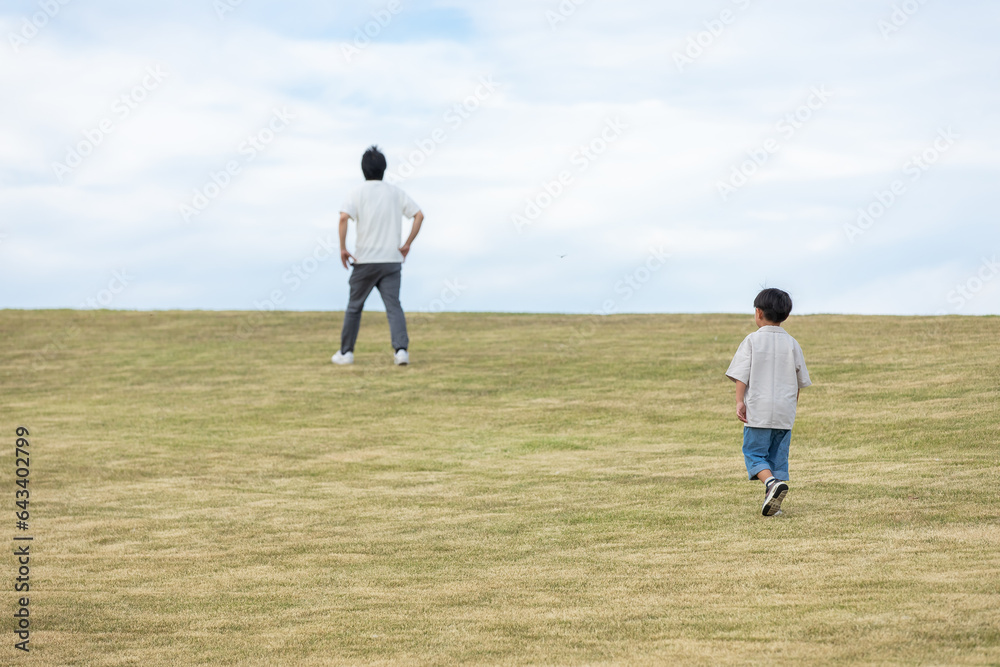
[577,156]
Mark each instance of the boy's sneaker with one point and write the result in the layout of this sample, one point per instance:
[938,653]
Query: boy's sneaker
[402,357]
[772,500]
[343,358]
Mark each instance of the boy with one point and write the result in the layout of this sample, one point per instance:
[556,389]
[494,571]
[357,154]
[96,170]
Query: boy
[378,208]
[769,371]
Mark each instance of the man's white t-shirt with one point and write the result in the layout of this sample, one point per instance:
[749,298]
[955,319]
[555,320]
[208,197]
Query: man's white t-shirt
[770,362]
[378,208]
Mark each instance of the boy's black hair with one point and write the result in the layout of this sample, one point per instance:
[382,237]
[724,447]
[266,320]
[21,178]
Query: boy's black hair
[775,303]
[373,164]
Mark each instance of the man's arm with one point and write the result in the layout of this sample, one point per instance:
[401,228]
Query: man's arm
[418,219]
[344,255]
[741,406]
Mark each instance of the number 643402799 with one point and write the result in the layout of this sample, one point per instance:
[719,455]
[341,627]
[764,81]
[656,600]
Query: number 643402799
[22,472]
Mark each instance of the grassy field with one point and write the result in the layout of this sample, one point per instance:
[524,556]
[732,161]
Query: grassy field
[207,489]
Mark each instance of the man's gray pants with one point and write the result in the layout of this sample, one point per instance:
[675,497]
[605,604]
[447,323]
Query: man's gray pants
[364,278]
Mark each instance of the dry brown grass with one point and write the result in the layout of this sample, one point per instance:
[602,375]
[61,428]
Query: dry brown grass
[532,490]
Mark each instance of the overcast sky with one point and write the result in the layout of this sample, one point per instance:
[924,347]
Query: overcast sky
[575,156]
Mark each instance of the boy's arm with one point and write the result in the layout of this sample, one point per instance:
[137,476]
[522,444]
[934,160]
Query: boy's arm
[739,372]
[344,255]
[741,406]
[418,220]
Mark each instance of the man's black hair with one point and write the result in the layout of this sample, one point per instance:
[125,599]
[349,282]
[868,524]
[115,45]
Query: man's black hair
[373,164]
[775,303]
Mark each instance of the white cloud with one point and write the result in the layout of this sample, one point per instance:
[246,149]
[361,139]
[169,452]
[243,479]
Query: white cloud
[656,184]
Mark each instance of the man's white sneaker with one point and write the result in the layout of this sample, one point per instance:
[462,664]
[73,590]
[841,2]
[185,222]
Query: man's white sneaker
[342,358]
[402,357]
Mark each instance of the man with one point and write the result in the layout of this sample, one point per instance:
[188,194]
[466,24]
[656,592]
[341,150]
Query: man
[378,209]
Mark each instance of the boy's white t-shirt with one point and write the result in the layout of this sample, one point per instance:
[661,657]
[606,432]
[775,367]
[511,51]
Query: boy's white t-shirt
[378,208]
[770,362]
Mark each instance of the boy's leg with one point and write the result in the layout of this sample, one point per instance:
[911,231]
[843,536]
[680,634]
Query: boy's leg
[765,475]
[777,453]
[756,452]
[776,488]
[756,442]
[362,282]
[388,287]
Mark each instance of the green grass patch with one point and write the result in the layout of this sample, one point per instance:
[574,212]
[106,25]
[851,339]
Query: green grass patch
[532,489]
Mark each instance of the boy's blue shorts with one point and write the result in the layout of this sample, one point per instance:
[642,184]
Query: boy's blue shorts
[766,449]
